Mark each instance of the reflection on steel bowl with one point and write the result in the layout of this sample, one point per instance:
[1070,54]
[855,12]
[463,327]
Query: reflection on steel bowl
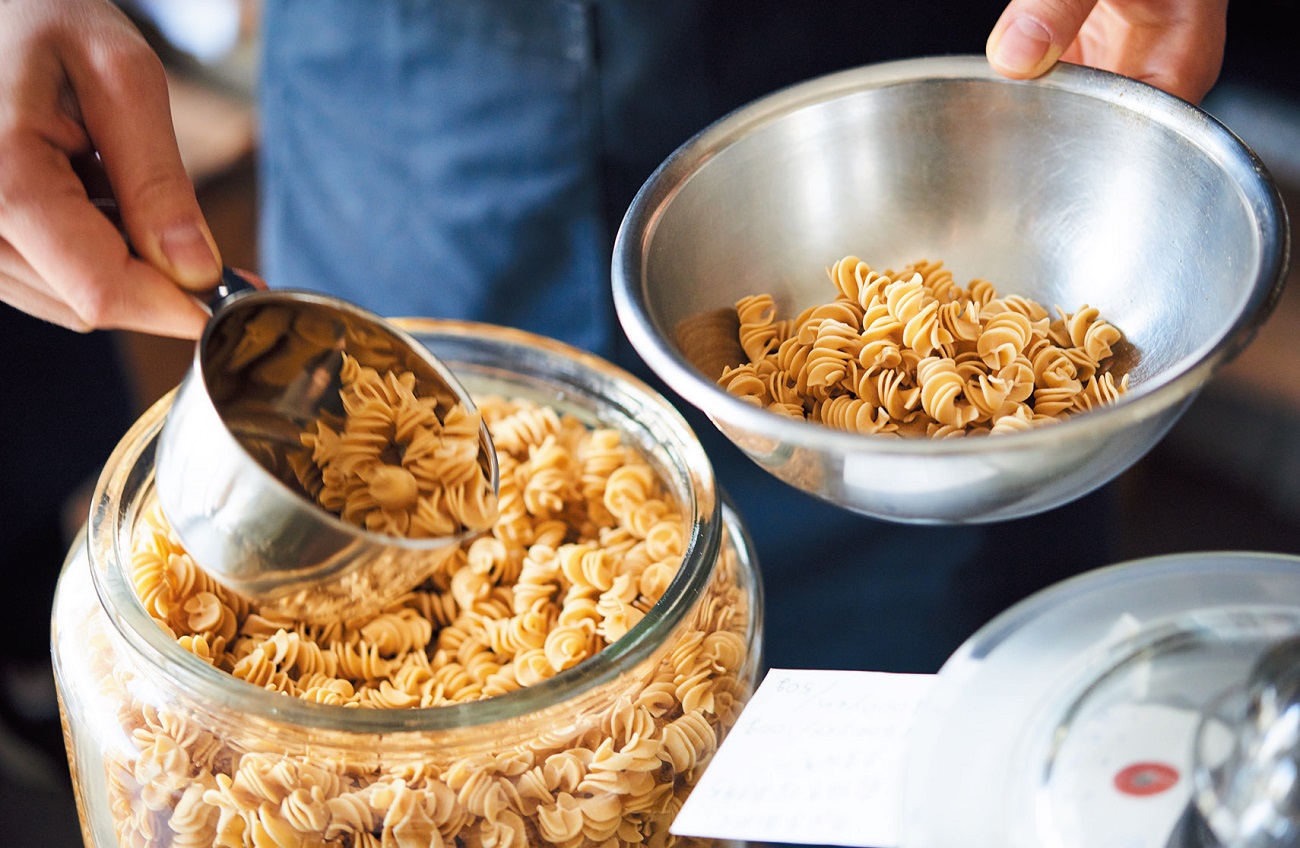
[1079,187]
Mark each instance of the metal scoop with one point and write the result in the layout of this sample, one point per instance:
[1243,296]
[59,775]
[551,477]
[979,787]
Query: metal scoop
[265,369]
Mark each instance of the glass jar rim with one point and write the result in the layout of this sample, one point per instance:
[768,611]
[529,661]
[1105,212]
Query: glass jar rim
[128,476]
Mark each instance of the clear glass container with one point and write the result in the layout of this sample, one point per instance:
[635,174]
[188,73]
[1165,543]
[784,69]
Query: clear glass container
[166,750]
[1072,718]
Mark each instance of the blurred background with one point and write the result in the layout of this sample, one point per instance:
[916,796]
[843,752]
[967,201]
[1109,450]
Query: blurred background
[1227,476]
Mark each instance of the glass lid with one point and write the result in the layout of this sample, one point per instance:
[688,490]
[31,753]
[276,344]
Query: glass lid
[1076,717]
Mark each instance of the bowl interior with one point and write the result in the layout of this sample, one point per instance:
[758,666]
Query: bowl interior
[1082,188]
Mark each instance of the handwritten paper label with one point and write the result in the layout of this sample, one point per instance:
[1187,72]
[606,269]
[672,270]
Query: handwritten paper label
[815,758]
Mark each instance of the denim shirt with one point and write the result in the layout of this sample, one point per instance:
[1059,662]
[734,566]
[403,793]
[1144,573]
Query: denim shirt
[473,159]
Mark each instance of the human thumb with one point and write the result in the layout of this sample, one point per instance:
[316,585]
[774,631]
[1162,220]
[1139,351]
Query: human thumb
[1031,35]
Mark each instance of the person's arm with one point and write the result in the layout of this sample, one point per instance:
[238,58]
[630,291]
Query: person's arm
[1176,45]
[77,78]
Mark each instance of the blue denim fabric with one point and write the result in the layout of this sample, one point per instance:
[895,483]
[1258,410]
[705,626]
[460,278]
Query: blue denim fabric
[473,159]
[436,159]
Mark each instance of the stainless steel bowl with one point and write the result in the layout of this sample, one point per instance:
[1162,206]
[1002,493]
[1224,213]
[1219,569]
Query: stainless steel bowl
[1080,187]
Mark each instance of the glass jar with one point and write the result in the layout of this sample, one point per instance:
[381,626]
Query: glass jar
[167,750]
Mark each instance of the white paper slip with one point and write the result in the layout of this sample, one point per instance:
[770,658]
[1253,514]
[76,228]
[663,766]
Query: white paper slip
[1122,776]
[815,758]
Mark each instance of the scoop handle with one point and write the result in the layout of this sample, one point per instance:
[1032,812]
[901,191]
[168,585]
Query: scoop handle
[231,285]
[229,288]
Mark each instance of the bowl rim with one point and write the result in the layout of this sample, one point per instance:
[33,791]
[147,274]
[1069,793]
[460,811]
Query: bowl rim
[1144,400]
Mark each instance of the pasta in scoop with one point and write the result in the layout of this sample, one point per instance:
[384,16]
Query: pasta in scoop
[392,464]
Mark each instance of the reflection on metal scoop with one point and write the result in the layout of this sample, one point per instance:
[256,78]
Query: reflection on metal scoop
[266,368]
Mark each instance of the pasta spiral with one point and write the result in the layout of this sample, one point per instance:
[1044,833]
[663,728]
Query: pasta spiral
[392,464]
[912,353]
[574,568]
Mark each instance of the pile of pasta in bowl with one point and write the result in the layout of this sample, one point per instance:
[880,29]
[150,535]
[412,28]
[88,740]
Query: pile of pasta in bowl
[913,353]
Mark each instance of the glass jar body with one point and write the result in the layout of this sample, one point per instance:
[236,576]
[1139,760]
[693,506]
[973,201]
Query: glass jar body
[168,751]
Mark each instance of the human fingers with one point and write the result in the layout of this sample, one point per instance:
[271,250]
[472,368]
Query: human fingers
[17,290]
[21,289]
[63,259]
[1176,45]
[1030,35]
[121,92]
[57,246]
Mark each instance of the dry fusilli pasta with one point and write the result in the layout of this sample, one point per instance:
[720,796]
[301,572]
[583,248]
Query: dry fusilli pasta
[590,544]
[392,464]
[913,354]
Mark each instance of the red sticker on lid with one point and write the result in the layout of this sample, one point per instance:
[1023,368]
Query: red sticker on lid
[1143,779]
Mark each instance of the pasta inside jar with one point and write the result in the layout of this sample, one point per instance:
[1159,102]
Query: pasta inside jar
[510,739]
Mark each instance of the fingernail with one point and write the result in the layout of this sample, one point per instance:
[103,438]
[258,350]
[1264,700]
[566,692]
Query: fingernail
[1023,46]
[189,254]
